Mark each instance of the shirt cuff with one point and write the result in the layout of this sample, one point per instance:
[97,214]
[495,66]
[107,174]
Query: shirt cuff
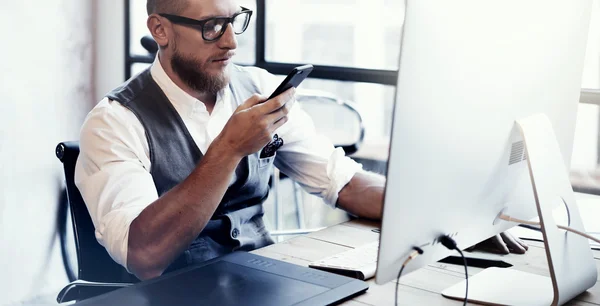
[340,170]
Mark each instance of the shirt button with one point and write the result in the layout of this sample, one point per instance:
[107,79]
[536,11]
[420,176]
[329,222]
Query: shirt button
[235,233]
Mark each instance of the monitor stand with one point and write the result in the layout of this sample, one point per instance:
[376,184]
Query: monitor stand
[570,260]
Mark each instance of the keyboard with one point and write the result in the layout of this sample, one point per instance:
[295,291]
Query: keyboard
[360,263]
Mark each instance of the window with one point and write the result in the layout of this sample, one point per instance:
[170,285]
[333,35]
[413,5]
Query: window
[348,30]
[353,70]
[136,23]
[360,33]
[591,72]
[246,50]
[138,67]
[338,37]
[374,101]
[585,172]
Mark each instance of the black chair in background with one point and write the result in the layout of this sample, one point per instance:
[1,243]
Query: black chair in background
[335,118]
[97,273]
[338,120]
[149,44]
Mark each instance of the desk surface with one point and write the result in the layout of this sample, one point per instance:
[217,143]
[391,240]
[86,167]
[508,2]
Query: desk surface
[421,287]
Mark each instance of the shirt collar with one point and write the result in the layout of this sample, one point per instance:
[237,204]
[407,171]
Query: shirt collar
[180,99]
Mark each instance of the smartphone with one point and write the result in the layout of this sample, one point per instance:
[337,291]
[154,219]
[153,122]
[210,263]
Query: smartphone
[293,79]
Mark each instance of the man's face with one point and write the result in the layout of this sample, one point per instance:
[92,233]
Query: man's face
[203,64]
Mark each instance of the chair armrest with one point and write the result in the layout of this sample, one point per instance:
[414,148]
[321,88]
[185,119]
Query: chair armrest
[81,290]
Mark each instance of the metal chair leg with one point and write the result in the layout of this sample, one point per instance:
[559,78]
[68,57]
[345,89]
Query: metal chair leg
[277,200]
[298,199]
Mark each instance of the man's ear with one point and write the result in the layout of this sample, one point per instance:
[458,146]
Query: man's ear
[159,30]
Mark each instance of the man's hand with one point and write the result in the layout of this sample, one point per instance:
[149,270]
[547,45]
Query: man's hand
[503,243]
[167,226]
[253,123]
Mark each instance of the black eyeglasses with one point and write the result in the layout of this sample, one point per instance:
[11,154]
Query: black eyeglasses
[213,28]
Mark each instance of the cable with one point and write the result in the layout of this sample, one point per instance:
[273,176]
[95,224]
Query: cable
[566,228]
[466,275]
[417,251]
[397,285]
[538,229]
[450,244]
[61,221]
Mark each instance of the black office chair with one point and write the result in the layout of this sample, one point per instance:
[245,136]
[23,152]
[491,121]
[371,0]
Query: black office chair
[149,44]
[337,119]
[97,272]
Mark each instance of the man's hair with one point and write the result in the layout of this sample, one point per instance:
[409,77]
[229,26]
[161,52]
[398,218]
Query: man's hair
[166,6]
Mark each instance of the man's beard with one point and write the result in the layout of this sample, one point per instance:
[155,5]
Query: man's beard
[190,71]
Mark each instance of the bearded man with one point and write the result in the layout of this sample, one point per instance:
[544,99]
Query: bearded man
[170,165]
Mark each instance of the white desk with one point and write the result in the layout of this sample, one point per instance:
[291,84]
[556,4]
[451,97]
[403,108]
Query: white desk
[421,287]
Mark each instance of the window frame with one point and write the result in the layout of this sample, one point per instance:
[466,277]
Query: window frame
[336,73]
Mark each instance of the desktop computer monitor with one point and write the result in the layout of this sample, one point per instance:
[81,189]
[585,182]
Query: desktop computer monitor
[469,70]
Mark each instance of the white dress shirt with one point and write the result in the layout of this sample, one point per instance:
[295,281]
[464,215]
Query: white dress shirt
[113,169]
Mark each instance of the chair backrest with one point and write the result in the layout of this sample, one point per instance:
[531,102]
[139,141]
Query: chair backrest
[94,263]
[337,119]
[149,44]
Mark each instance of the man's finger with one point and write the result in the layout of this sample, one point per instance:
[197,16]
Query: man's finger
[522,243]
[255,99]
[282,112]
[500,245]
[490,245]
[278,102]
[512,244]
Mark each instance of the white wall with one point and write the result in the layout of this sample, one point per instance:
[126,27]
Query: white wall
[109,46]
[45,91]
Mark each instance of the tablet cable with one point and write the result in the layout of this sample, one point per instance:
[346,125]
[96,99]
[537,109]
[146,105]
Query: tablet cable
[450,244]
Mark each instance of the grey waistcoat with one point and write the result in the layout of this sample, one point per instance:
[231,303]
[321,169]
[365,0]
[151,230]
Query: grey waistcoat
[237,224]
